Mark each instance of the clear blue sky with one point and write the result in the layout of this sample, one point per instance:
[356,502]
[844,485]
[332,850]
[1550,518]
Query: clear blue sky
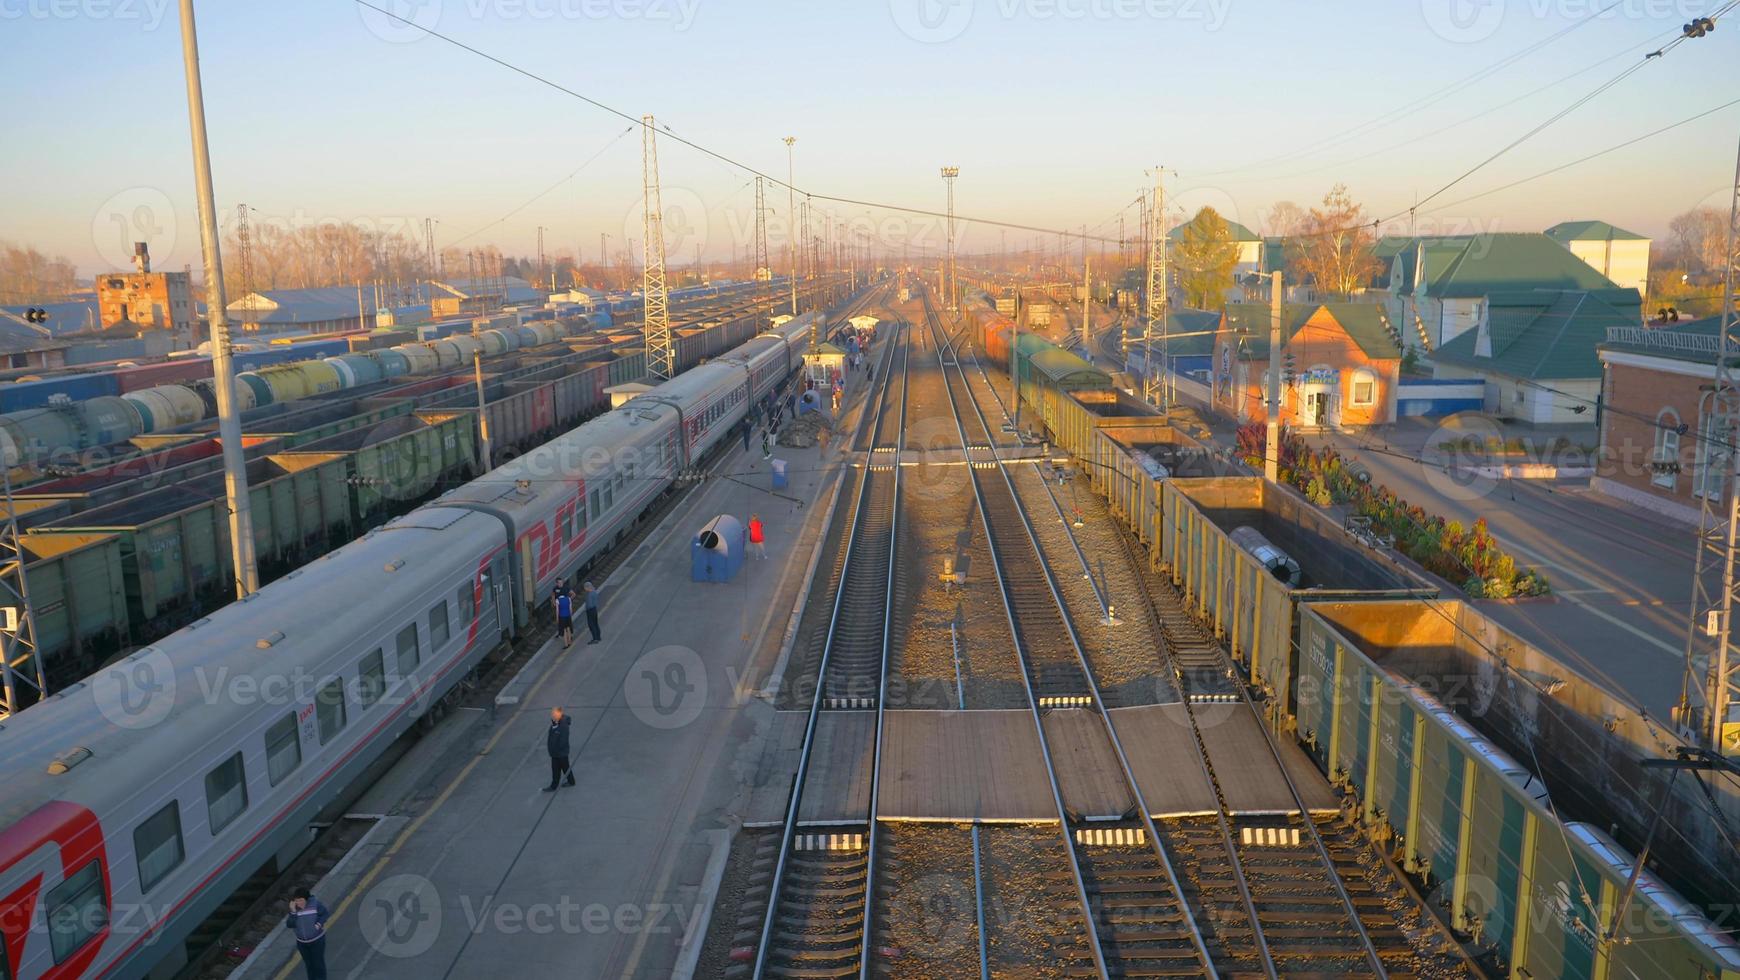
[1051,108]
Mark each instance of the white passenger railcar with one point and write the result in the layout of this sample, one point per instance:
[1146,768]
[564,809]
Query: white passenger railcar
[136,801]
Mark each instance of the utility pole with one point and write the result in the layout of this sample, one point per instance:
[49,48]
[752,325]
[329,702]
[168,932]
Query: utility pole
[791,225]
[1087,291]
[429,248]
[603,252]
[19,660]
[661,353]
[949,174]
[1157,304]
[247,575]
[541,266]
[1272,444]
[485,453]
[1710,692]
[761,234]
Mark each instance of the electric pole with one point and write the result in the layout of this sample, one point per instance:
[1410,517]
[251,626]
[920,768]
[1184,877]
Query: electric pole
[791,225]
[541,267]
[761,267]
[1710,691]
[1156,311]
[661,353]
[949,174]
[1272,445]
[247,576]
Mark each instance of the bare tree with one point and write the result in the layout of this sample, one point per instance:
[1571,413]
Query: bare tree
[1698,238]
[1285,219]
[29,276]
[1333,248]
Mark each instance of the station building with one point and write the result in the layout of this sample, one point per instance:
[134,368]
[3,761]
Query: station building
[1660,447]
[1340,364]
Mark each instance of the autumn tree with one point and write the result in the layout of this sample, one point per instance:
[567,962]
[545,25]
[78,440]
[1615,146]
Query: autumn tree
[1333,246]
[1204,257]
[1285,219]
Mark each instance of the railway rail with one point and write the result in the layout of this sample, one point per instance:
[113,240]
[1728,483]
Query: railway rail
[1289,893]
[819,898]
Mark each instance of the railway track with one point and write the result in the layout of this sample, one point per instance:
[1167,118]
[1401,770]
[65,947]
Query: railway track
[1290,893]
[818,896]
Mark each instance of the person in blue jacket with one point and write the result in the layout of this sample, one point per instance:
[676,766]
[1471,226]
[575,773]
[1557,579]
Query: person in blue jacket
[307,919]
[556,741]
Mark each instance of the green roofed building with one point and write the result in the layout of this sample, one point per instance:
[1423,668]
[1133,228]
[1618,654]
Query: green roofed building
[1620,255]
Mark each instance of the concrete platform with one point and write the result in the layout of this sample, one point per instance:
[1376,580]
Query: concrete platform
[491,876]
[838,789]
[1162,753]
[1249,778]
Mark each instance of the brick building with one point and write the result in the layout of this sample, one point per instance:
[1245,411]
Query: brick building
[1340,363]
[1659,449]
[146,300]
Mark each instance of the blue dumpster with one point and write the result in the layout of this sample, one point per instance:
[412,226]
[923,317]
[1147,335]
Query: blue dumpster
[717,551]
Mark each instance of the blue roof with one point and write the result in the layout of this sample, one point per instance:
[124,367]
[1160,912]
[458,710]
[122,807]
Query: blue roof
[77,316]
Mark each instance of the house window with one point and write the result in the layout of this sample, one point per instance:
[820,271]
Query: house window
[1665,468]
[76,912]
[157,845]
[1364,388]
[226,793]
[283,749]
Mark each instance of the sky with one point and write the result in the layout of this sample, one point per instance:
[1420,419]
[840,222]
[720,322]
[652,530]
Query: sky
[1055,111]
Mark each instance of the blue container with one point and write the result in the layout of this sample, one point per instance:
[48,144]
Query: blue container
[779,477]
[76,387]
[718,549]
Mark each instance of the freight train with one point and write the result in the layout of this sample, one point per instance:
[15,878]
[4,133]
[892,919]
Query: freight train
[1536,894]
[103,418]
[140,798]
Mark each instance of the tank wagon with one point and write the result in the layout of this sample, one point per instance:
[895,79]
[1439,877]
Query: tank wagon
[171,801]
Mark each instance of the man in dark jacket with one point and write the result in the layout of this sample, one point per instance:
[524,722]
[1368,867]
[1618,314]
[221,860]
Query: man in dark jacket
[307,919]
[556,740]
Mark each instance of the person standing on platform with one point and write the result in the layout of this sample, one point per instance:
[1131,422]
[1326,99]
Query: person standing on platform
[307,919]
[564,603]
[592,594]
[556,741]
[757,537]
[746,430]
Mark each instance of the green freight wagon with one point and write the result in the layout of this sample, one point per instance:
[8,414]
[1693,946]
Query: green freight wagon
[401,461]
[79,600]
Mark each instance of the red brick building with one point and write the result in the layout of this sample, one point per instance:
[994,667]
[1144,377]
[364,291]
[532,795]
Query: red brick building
[1340,364]
[1659,448]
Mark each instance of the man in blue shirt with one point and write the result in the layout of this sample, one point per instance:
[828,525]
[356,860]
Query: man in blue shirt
[564,604]
[307,919]
[592,593]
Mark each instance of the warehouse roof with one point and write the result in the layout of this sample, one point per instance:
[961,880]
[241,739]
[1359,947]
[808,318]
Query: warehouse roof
[1591,231]
[1543,334]
[76,316]
[1366,324]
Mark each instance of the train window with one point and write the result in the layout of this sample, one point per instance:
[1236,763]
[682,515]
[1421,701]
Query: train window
[226,793]
[157,846]
[438,629]
[610,495]
[371,678]
[408,656]
[329,709]
[283,749]
[595,510]
[76,913]
[568,527]
[467,603]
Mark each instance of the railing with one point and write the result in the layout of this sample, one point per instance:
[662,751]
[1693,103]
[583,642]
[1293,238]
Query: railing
[1664,339]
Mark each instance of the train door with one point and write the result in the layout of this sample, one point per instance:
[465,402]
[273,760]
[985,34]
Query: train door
[491,625]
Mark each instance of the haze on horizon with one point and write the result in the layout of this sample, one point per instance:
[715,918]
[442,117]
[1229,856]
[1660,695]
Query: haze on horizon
[1053,110]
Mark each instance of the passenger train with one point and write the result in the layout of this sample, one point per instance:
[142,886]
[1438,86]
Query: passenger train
[138,799]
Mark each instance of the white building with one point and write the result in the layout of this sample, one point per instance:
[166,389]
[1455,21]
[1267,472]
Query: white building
[1620,255]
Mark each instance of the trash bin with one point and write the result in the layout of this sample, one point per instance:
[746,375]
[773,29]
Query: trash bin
[717,551]
[778,466]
